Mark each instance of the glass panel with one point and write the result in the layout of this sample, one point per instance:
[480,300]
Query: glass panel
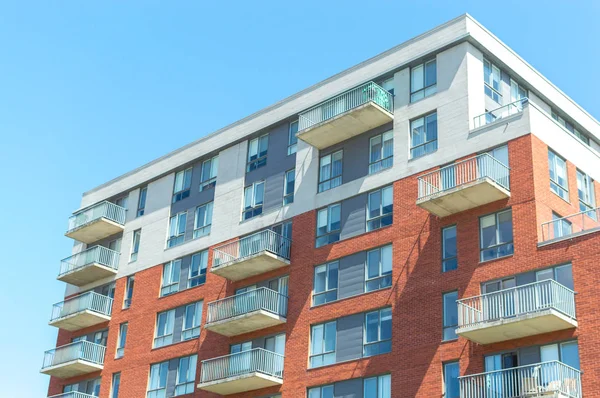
[564,276]
[451,384]
[416,82]
[569,353]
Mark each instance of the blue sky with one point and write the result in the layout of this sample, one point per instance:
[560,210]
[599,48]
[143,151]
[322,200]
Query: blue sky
[92,89]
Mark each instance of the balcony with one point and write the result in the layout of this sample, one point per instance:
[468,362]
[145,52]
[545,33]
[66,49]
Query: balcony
[464,185]
[503,112]
[87,309]
[242,372]
[578,224]
[347,115]
[546,379]
[247,312]
[74,359]
[252,255]
[73,394]
[88,266]
[535,308]
[97,222]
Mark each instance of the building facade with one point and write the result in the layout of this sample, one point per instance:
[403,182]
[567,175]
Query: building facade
[422,224]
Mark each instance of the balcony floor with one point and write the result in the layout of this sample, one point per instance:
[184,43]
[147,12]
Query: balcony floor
[245,323]
[72,369]
[243,383]
[95,230]
[516,327]
[79,320]
[249,266]
[87,274]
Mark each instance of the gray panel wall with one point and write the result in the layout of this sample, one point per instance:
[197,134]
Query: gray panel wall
[178,324]
[351,278]
[196,197]
[184,272]
[348,389]
[529,355]
[172,376]
[354,216]
[349,338]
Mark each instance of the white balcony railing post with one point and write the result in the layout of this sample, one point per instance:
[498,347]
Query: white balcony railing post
[90,301]
[104,209]
[248,246]
[243,303]
[255,360]
[94,255]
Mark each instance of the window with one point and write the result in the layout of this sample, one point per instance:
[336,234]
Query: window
[567,353]
[254,196]
[183,182]
[177,229]
[170,278]
[157,387]
[116,382]
[135,245]
[122,201]
[381,205]
[378,387]
[381,152]
[451,384]
[559,183]
[122,339]
[142,202]
[585,190]
[208,178]
[496,235]
[561,226]
[517,92]
[562,274]
[186,375]
[257,152]
[378,270]
[378,332]
[191,322]
[570,128]
[388,85]
[423,136]
[292,139]
[330,171]
[288,187]
[450,320]
[322,344]
[328,225]
[203,220]
[164,328]
[325,283]
[128,292]
[198,266]
[423,80]
[115,245]
[491,77]
[321,392]
[449,258]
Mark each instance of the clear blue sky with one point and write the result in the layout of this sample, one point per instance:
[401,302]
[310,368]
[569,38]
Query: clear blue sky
[92,89]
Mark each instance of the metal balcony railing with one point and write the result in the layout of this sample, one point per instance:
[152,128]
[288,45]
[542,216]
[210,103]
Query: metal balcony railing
[520,300]
[90,301]
[243,303]
[105,209]
[571,225]
[464,172]
[94,255]
[551,378]
[368,92]
[256,360]
[504,111]
[248,246]
[81,350]
[73,394]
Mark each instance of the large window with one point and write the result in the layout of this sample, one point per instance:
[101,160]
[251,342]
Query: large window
[585,190]
[328,225]
[378,332]
[128,292]
[177,229]
[203,220]
[380,208]
[257,152]
[378,387]
[378,270]
[517,92]
[208,178]
[170,278]
[183,182]
[496,235]
[135,245]
[186,375]
[164,328]
[450,318]
[381,152]
[157,386]
[121,340]
[449,258]
[191,321]
[451,384]
[559,183]
[322,344]
[142,202]
[292,139]
[199,263]
[325,283]
[561,226]
[330,171]
[492,78]
[288,187]
[423,80]
[254,196]
[321,392]
[567,353]
[423,135]
[116,383]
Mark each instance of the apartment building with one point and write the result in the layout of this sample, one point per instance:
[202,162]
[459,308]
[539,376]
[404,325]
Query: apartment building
[423,224]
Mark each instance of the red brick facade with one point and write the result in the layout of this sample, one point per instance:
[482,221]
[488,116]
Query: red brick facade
[415,296]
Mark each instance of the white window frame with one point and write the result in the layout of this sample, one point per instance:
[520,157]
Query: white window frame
[129,292]
[185,182]
[292,139]
[328,289]
[158,391]
[424,120]
[380,313]
[381,162]
[323,354]
[497,229]
[585,185]
[170,278]
[142,202]
[202,266]
[192,331]
[517,92]
[376,222]
[176,232]
[329,232]
[553,167]
[166,338]
[288,197]
[260,160]
[423,90]
[379,382]
[384,275]
[495,93]
[114,393]
[186,386]
[330,181]
[203,228]
[561,226]
[321,391]
[135,245]
[122,340]
[253,210]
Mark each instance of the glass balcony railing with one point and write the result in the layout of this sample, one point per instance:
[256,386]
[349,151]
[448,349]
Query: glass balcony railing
[81,350]
[89,301]
[552,379]
[504,111]
[249,246]
[247,302]
[94,255]
[257,360]
[107,210]
[575,224]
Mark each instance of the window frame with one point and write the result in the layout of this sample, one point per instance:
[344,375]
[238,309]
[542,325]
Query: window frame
[451,327]
[379,342]
[383,162]
[202,269]
[288,197]
[425,132]
[587,204]
[141,208]
[328,290]
[332,181]
[445,259]
[169,285]
[372,222]
[128,296]
[205,228]
[558,225]
[490,85]
[114,392]
[135,245]
[255,210]
[329,231]
[184,192]
[121,340]
[190,373]
[378,379]
[557,188]
[323,352]
[179,237]
[163,372]
[193,331]
[426,90]
[211,181]
[329,387]
[497,245]
[292,139]
[445,373]
[260,160]
[167,338]
[383,277]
